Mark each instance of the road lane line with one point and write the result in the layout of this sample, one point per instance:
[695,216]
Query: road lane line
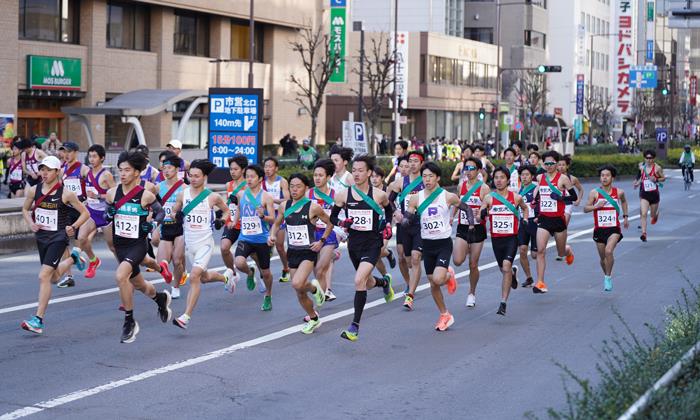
[84,393]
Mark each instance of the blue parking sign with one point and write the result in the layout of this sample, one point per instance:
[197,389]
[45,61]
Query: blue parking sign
[235,124]
[662,135]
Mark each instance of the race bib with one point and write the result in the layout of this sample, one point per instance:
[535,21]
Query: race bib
[433,225]
[649,185]
[502,224]
[46,219]
[126,226]
[361,220]
[607,218]
[16,175]
[198,220]
[92,201]
[298,235]
[168,209]
[233,209]
[251,225]
[547,204]
[73,185]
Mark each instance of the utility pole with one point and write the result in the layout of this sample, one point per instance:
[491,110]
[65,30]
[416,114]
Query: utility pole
[358,26]
[251,45]
[395,126]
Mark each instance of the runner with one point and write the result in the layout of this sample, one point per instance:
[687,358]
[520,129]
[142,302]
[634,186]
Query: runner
[527,232]
[175,146]
[404,265]
[341,178]
[15,170]
[404,188]
[550,220]
[431,206]
[172,243]
[377,181]
[607,203]
[31,156]
[470,241]
[534,159]
[128,205]
[256,212]
[195,206]
[649,179]
[236,167]
[459,174]
[97,182]
[367,226]
[514,180]
[519,160]
[563,166]
[400,150]
[501,205]
[150,173]
[486,165]
[278,188]
[301,215]
[45,210]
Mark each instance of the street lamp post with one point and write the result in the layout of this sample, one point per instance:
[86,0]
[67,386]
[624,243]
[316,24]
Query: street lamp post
[358,26]
[395,125]
[251,45]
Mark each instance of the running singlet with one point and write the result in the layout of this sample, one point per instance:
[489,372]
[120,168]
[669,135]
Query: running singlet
[51,215]
[528,194]
[407,196]
[274,189]
[147,174]
[365,221]
[550,207]
[327,207]
[435,219]
[474,203]
[300,230]
[647,184]
[339,182]
[32,163]
[72,180]
[504,222]
[16,173]
[233,203]
[253,228]
[163,189]
[92,184]
[514,181]
[197,223]
[606,216]
[129,220]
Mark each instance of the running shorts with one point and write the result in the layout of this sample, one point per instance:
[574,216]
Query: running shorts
[134,254]
[365,253]
[231,234]
[199,253]
[505,248]
[551,224]
[296,256]
[331,240]
[262,251]
[602,235]
[411,240]
[527,235]
[97,216]
[436,253]
[474,236]
[170,231]
[14,187]
[51,253]
[652,197]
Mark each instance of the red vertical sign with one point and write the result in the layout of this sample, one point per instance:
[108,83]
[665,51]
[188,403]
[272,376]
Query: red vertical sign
[693,91]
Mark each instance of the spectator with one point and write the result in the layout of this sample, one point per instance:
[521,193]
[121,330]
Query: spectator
[293,145]
[307,155]
[51,146]
[383,146]
[285,143]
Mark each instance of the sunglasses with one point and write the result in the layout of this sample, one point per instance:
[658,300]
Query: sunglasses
[649,157]
[550,163]
[470,168]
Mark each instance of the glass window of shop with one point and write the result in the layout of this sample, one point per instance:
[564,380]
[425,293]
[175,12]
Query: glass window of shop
[240,40]
[128,26]
[450,71]
[191,35]
[49,20]
[196,134]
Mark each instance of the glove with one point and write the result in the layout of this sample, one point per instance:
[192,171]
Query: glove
[218,214]
[556,197]
[346,223]
[179,217]
[388,233]
[483,214]
[110,211]
[147,228]
[218,224]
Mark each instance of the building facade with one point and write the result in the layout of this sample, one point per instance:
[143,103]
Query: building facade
[81,53]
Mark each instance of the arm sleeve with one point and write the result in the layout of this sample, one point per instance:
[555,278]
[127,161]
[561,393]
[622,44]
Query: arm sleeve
[389,210]
[158,212]
[334,214]
[470,214]
[639,175]
[571,197]
[392,196]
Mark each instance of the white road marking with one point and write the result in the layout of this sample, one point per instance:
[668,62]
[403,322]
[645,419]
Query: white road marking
[84,393]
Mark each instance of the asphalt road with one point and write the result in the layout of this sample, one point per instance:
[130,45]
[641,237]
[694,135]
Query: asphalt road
[238,362]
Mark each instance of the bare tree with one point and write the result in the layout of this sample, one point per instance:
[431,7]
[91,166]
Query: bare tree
[643,108]
[599,111]
[378,76]
[531,94]
[314,50]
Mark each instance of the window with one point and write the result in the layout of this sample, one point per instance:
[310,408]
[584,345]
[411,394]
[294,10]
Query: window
[240,40]
[479,34]
[540,3]
[588,23]
[49,20]
[191,35]
[128,26]
[535,39]
[450,71]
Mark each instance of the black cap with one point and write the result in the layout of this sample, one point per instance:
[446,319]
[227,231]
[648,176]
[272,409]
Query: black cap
[70,146]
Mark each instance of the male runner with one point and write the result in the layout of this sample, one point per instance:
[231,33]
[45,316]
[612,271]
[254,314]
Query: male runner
[301,215]
[551,221]
[175,146]
[607,203]
[128,205]
[377,181]
[367,209]
[501,205]
[341,178]
[256,212]
[649,179]
[45,210]
[527,232]
[486,164]
[534,159]
[470,240]
[172,242]
[195,207]
[236,167]
[431,206]
[459,174]
[563,166]
[31,156]
[514,179]
[404,264]
[278,188]
[400,150]
[150,173]
[519,160]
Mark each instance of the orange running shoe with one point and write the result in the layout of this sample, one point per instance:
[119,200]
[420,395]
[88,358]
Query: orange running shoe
[183,278]
[654,219]
[570,257]
[446,320]
[540,287]
[451,281]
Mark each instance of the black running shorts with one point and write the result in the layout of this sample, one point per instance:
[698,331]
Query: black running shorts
[436,253]
[168,232]
[262,251]
[505,248]
[551,224]
[653,197]
[601,235]
[134,254]
[296,256]
[527,235]
[51,253]
[364,253]
[473,236]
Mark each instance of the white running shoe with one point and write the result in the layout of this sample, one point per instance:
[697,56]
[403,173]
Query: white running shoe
[471,301]
[231,278]
[175,292]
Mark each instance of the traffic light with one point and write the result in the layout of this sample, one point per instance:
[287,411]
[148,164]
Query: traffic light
[548,69]
[482,114]
[664,91]
[494,113]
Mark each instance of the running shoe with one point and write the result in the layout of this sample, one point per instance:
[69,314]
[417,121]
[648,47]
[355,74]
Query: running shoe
[570,257]
[311,326]
[307,317]
[181,321]
[250,280]
[149,270]
[406,290]
[336,255]
[261,285]
[528,282]
[352,333]
[319,295]
[540,287]
[78,259]
[391,259]
[388,290]
[34,324]
[92,268]
[514,279]
[67,281]
[502,309]
[451,281]
[230,283]
[122,308]
[267,304]
[408,302]
[643,237]
[654,219]
[165,272]
[129,331]
[607,284]
[471,301]
[445,321]
[559,258]
[163,300]
[330,296]
[175,292]
[183,278]
[285,277]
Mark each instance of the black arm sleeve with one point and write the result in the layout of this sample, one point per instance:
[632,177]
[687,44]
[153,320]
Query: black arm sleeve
[392,196]
[158,212]
[572,196]
[639,175]
[389,211]
[334,214]
[468,211]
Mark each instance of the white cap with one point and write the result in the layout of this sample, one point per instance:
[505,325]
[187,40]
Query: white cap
[176,144]
[50,162]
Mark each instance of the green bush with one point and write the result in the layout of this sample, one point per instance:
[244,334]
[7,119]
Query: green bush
[586,166]
[598,149]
